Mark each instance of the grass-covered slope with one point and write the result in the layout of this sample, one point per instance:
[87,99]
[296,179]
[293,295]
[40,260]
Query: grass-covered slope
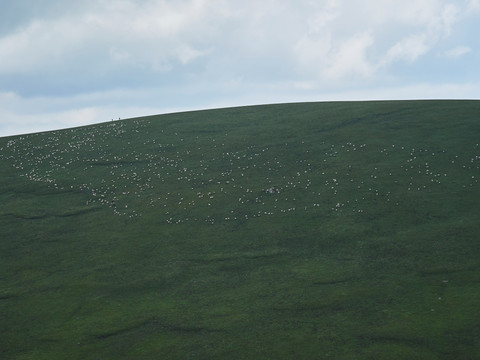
[296,231]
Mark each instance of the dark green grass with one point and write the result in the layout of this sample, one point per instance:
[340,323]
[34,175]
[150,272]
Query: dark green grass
[316,230]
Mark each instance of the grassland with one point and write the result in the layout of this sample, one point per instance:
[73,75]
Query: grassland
[345,230]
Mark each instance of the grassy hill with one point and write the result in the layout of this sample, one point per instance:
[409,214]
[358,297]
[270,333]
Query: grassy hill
[346,230]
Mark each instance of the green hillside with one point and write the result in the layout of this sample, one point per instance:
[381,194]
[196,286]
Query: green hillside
[344,230]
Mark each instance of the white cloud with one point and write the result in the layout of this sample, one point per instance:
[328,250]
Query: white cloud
[474,5]
[436,20]
[356,40]
[154,35]
[186,54]
[124,31]
[326,51]
[457,52]
[408,49]
[351,58]
[450,15]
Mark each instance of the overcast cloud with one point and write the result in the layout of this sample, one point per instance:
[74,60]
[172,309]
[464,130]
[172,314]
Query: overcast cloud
[66,63]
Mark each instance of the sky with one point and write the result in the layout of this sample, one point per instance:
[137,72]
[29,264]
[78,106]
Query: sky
[67,63]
